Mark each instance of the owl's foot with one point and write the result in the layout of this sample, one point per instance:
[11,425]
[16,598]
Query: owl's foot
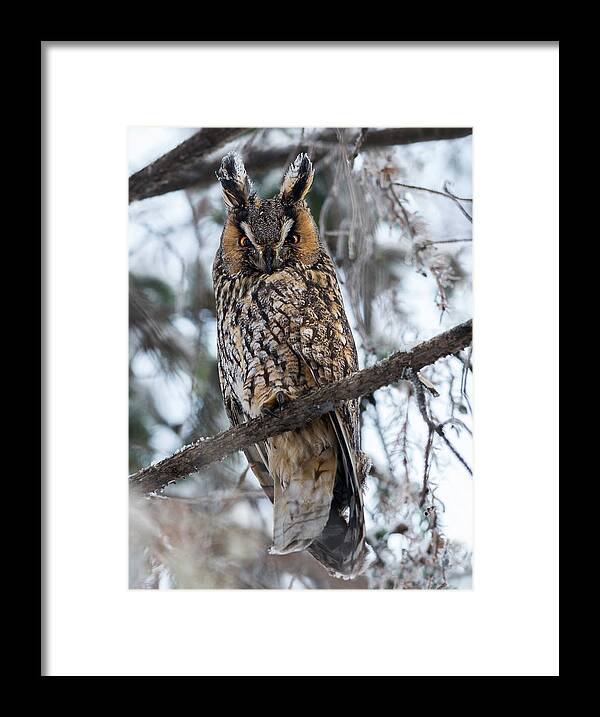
[274,405]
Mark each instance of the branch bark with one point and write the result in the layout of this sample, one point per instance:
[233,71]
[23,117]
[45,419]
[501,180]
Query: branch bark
[191,458]
[406,135]
[178,168]
[187,164]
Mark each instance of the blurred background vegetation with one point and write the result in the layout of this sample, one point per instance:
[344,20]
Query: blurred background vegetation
[404,261]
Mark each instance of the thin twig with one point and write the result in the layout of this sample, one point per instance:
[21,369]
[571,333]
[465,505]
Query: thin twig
[358,145]
[446,194]
[431,424]
[424,245]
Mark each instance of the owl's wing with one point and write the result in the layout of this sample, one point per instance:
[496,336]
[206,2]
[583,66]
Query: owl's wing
[342,547]
[256,454]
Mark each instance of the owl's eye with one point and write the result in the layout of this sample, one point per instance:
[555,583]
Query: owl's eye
[293,239]
[244,242]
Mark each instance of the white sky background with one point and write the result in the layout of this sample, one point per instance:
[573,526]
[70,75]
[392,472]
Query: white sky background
[424,164]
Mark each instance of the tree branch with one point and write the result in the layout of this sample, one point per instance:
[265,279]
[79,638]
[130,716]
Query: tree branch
[178,168]
[406,135]
[433,427]
[445,193]
[187,164]
[191,458]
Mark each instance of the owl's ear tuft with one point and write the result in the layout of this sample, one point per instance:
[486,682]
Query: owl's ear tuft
[298,179]
[235,182]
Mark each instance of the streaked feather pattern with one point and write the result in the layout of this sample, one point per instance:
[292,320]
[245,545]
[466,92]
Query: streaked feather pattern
[281,331]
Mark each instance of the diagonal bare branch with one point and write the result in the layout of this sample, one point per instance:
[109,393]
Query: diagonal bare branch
[201,453]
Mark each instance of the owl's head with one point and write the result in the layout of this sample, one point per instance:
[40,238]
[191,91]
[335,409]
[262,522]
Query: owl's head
[266,236]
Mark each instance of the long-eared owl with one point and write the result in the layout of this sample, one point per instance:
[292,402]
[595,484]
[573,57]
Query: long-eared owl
[282,330]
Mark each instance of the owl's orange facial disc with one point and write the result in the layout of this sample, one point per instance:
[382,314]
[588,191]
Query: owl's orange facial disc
[236,247]
[255,247]
[304,240]
[267,236]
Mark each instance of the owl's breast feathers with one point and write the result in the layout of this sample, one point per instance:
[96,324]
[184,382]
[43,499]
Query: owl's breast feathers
[278,336]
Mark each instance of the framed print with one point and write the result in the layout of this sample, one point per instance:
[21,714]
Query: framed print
[300,358]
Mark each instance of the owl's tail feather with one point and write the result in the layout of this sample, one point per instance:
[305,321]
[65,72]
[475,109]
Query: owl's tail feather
[318,506]
[304,494]
[339,551]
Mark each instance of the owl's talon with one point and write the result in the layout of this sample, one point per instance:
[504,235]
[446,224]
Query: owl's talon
[272,411]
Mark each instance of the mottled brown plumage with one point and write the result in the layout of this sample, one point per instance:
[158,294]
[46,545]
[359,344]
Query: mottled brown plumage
[281,330]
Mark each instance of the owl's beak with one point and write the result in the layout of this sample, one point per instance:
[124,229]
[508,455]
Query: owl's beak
[268,260]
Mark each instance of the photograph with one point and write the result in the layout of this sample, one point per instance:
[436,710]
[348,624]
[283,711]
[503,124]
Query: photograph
[300,321]
[300,358]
